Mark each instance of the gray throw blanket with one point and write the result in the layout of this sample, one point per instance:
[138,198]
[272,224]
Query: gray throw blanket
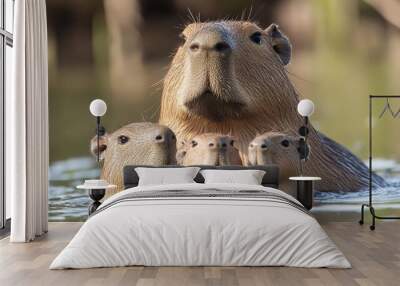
[205,194]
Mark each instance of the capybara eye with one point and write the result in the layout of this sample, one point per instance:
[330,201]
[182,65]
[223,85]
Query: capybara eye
[194,143]
[173,137]
[194,47]
[251,146]
[123,139]
[211,144]
[232,142]
[256,37]
[285,143]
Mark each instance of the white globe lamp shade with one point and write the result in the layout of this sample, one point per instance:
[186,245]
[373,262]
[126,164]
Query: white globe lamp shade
[98,107]
[305,107]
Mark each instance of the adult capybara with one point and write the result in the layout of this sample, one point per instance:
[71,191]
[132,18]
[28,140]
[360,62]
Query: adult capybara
[133,144]
[208,149]
[229,77]
[279,149]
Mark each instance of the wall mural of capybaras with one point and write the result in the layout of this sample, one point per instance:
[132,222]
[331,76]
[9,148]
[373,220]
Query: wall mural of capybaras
[228,97]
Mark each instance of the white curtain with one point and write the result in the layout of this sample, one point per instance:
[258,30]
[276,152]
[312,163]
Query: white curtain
[27,124]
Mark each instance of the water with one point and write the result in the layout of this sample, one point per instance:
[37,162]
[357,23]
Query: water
[66,203]
[346,206]
[389,169]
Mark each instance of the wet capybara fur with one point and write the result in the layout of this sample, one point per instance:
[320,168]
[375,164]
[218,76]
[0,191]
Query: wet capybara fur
[229,77]
[208,149]
[133,144]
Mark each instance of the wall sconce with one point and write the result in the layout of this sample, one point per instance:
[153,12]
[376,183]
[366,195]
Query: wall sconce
[305,108]
[98,108]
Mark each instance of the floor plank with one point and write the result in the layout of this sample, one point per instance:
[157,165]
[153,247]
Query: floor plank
[375,257]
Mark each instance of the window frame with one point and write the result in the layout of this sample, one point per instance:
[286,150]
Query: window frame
[6,39]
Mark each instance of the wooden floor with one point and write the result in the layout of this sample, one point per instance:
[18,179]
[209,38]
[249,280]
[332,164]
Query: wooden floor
[375,257]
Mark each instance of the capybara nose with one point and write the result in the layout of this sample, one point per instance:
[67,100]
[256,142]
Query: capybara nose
[218,143]
[164,135]
[160,138]
[222,145]
[210,40]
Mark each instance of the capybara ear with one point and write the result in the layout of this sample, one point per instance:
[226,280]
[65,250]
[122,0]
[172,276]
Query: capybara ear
[180,154]
[303,148]
[234,142]
[181,150]
[182,145]
[280,43]
[102,146]
[294,139]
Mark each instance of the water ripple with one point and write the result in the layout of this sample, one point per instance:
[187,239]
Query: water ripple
[66,203]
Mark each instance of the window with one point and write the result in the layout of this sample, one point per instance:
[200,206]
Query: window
[6,62]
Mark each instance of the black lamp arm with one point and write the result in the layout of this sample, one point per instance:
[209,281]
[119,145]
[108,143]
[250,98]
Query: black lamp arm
[100,131]
[303,148]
